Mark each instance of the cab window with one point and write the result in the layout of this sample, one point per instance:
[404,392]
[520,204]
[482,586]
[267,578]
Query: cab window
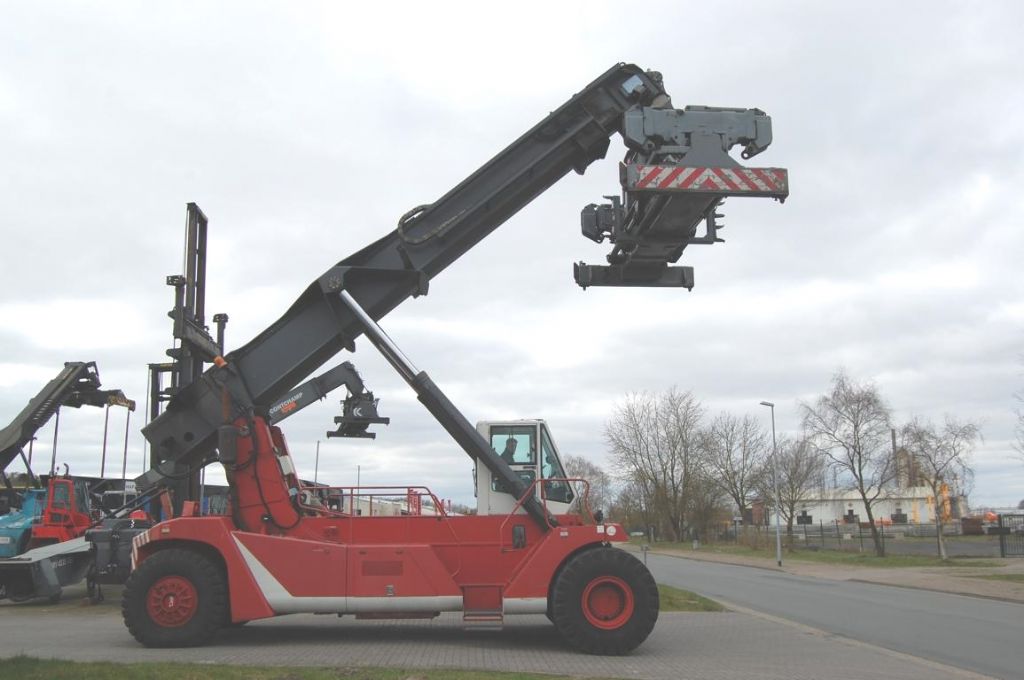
[81,497]
[516,444]
[551,467]
[60,496]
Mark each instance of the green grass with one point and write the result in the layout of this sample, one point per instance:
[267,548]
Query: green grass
[931,539]
[29,668]
[1013,578]
[677,600]
[836,557]
[869,559]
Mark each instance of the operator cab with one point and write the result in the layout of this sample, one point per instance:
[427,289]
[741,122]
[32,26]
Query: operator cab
[68,502]
[529,449]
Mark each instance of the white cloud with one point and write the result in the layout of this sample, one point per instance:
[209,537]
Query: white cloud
[305,132]
[24,375]
[76,324]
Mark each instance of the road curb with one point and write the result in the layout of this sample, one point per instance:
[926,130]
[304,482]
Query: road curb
[735,564]
[935,590]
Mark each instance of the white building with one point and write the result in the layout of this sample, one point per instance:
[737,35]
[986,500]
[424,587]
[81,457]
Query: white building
[913,505]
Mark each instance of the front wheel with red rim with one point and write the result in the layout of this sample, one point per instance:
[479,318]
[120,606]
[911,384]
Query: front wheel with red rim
[604,601]
[175,598]
[172,601]
[607,602]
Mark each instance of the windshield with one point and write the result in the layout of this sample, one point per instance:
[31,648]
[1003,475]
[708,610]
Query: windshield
[552,468]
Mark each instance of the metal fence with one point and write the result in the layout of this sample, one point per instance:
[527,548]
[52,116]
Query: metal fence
[1011,535]
[898,539]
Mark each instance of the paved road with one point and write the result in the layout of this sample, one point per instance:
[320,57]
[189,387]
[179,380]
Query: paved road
[721,646]
[984,636]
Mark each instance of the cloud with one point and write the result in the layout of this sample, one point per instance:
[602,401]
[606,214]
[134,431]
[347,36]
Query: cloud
[305,132]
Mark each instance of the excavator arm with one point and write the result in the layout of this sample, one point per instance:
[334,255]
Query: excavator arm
[649,227]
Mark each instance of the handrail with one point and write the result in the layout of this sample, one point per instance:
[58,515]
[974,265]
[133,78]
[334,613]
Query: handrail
[388,492]
[584,502]
[361,491]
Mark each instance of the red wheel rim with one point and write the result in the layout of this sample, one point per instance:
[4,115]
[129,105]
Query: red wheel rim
[172,601]
[607,602]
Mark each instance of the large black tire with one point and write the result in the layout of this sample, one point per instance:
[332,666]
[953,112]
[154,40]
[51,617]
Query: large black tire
[176,598]
[605,601]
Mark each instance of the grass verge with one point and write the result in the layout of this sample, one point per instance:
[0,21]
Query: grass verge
[836,557]
[678,600]
[1013,578]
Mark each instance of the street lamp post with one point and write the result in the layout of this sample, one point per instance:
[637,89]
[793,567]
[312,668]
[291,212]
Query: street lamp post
[775,483]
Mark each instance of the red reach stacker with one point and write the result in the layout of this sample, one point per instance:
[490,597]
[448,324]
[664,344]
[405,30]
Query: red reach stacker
[533,547]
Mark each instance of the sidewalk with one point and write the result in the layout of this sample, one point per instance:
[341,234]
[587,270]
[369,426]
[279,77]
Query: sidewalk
[957,580]
[683,646]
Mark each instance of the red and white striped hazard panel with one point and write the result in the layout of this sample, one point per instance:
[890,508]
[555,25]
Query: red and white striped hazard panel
[743,181]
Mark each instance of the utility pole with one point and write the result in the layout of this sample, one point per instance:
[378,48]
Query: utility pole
[316,465]
[775,483]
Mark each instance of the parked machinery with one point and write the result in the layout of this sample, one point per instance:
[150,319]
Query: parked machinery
[77,385]
[61,510]
[41,548]
[523,552]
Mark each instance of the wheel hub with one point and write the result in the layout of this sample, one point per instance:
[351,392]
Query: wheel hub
[172,601]
[607,602]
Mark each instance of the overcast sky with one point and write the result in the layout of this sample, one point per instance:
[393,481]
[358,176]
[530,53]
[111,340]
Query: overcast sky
[305,130]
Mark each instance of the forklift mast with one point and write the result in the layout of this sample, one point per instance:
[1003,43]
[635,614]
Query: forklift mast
[675,175]
[193,345]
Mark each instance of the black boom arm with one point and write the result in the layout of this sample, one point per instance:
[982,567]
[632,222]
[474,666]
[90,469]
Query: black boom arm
[650,227]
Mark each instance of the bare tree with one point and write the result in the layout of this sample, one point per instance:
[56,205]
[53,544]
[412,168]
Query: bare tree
[463,509]
[630,508]
[850,426]
[600,483]
[800,471]
[943,457]
[735,451]
[654,441]
[708,506]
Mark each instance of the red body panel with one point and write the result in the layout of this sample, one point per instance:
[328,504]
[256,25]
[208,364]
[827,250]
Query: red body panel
[282,557]
[382,557]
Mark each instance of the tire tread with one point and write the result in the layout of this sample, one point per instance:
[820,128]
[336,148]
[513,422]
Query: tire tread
[209,582]
[566,609]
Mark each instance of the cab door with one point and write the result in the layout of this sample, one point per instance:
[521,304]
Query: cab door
[557,494]
[517,445]
[527,448]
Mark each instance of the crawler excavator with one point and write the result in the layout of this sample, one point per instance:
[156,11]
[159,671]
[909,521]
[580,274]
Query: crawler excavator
[523,552]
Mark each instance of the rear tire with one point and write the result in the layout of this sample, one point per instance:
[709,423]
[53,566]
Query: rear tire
[175,598]
[605,601]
